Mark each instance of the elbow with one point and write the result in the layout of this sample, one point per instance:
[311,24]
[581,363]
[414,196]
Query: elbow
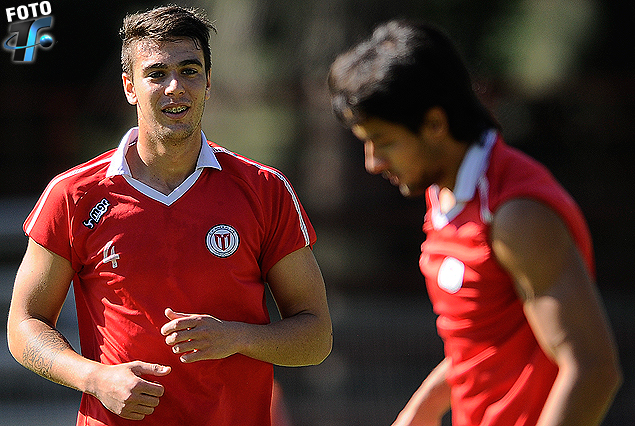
[614,377]
[11,336]
[11,345]
[605,375]
[608,381]
[328,347]
[12,348]
[610,372]
[325,348]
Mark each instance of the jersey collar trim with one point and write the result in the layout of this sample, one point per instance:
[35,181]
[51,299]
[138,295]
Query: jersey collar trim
[473,166]
[470,173]
[119,165]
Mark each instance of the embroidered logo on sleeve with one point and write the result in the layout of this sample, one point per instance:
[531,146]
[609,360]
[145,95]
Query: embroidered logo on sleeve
[96,213]
[450,276]
[222,240]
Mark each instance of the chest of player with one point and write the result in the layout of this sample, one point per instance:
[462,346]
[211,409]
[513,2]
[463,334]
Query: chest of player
[203,248]
[469,290]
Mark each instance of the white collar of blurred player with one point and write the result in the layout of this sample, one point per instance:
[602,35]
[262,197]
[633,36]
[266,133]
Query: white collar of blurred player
[473,167]
[471,175]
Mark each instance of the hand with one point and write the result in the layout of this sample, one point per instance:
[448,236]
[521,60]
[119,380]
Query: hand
[430,402]
[122,390]
[199,337]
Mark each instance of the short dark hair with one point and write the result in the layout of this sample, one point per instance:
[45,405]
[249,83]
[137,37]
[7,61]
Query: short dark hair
[399,73]
[165,23]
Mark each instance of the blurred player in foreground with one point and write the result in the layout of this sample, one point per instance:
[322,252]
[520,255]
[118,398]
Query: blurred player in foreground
[169,241]
[507,258]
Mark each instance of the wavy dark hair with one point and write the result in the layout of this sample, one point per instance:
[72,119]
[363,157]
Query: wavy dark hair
[399,73]
[165,23]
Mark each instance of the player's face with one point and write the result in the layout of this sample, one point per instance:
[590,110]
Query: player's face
[408,160]
[169,86]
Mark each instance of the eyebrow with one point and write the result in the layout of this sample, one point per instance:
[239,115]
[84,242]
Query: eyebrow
[161,65]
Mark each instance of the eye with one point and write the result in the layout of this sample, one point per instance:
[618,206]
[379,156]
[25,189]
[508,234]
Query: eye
[190,71]
[155,74]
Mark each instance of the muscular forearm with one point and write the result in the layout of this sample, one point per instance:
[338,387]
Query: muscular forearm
[43,349]
[303,339]
[120,388]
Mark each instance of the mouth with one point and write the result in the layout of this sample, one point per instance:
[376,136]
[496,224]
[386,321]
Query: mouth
[393,179]
[175,111]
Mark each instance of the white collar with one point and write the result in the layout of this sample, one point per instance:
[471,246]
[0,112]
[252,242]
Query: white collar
[471,170]
[119,165]
[473,166]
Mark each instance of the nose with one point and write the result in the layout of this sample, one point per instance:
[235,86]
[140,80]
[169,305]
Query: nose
[174,87]
[374,163]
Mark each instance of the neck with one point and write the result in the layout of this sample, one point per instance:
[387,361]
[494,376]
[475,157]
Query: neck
[163,164]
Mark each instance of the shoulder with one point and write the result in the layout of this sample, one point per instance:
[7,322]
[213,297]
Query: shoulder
[530,239]
[74,182]
[59,199]
[251,171]
[526,220]
[92,170]
[513,174]
[512,170]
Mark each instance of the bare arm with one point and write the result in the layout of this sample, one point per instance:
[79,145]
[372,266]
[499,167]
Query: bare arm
[302,337]
[563,309]
[39,292]
[430,402]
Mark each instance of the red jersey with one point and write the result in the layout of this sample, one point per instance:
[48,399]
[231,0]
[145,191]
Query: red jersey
[499,375]
[205,248]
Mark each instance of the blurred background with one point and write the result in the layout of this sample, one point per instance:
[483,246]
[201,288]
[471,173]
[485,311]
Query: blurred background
[558,74]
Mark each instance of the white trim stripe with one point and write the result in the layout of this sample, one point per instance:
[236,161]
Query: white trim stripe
[173,196]
[51,185]
[287,184]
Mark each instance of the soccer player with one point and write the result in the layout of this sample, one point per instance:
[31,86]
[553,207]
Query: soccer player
[507,258]
[169,240]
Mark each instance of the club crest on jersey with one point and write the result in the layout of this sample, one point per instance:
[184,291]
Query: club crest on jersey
[222,240]
[96,213]
[450,277]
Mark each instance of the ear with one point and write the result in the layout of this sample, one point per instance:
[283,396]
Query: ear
[435,123]
[209,84]
[129,89]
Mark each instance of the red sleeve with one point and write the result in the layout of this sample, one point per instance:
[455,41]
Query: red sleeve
[48,224]
[288,226]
